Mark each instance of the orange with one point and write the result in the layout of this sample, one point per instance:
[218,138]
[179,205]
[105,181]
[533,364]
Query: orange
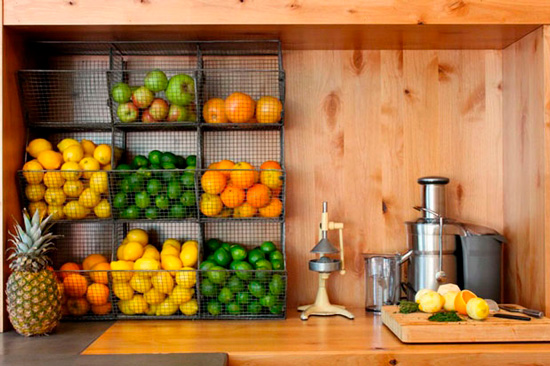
[101,275]
[273,209]
[225,164]
[33,177]
[462,299]
[69,266]
[213,165]
[92,260]
[214,111]
[232,197]
[268,110]
[243,176]
[103,309]
[50,159]
[239,107]
[75,285]
[245,210]
[258,195]
[211,204]
[270,176]
[97,294]
[213,182]
[78,307]
[276,192]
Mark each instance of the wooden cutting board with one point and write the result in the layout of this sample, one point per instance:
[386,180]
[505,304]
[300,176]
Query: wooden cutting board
[416,328]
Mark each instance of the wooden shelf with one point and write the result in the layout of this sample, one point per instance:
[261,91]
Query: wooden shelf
[319,341]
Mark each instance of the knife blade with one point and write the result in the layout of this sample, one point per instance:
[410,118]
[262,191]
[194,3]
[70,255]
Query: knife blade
[530,312]
[515,317]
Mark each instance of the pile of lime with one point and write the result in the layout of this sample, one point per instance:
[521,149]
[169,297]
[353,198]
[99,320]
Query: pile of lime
[237,281]
[160,185]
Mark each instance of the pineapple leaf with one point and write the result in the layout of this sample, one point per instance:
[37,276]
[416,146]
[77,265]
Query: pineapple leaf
[27,222]
[36,218]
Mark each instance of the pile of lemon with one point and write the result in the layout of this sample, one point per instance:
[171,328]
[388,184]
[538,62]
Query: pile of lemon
[143,288]
[450,298]
[68,183]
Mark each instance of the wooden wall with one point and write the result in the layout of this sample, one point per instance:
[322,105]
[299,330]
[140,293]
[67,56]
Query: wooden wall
[362,126]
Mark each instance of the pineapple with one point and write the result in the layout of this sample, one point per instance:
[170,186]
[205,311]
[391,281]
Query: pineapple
[34,302]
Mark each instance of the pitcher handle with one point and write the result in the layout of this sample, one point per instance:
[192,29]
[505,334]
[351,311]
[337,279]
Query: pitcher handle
[405,257]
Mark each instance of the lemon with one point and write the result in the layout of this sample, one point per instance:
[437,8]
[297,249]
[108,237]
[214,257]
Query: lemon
[40,206]
[151,252]
[65,143]
[53,180]
[172,242]
[450,297]
[477,308]
[190,307]
[163,282]
[33,177]
[132,251]
[431,302]
[88,147]
[189,255]
[169,250]
[88,164]
[138,235]
[124,306]
[36,146]
[103,209]
[56,212]
[191,242]
[73,153]
[55,196]
[35,192]
[152,309]
[73,188]
[145,264]
[89,198]
[122,265]
[211,204]
[154,296]
[187,277]
[421,293]
[102,153]
[50,160]
[120,253]
[140,283]
[123,291]
[443,289]
[138,304]
[181,294]
[99,182]
[71,171]
[167,308]
[107,167]
[171,262]
[75,211]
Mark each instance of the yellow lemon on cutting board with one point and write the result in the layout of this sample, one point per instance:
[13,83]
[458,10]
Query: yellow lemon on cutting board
[36,146]
[138,235]
[66,143]
[71,171]
[477,308]
[443,289]
[450,298]
[33,177]
[432,302]
[421,293]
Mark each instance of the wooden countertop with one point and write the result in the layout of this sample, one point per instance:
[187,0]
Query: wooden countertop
[319,341]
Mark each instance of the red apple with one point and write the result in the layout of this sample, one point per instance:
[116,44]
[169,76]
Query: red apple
[146,117]
[127,112]
[159,109]
[177,113]
[142,97]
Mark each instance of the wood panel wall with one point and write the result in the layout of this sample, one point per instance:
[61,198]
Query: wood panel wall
[362,126]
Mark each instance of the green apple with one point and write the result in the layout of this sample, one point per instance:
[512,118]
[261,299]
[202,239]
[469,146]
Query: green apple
[177,113]
[181,89]
[127,112]
[159,109]
[156,81]
[142,97]
[121,93]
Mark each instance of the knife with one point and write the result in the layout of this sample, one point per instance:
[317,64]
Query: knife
[530,312]
[515,317]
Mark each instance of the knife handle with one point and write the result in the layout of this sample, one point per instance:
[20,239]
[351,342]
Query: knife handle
[533,313]
[515,317]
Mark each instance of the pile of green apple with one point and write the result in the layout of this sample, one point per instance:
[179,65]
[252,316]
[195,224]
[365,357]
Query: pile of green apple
[139,103]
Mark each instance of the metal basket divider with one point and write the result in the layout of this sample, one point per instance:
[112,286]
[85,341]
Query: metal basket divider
[109,273]
[202,240]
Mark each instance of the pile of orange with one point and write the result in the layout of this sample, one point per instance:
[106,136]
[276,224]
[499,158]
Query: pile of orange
[241,191]
[241,108]
[81,294]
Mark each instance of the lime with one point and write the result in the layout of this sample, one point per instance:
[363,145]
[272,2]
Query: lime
[278,265]
[234,284]
[120,200]
[139,161]
[154,186]
[254,307]
[276,309]
[213,244]
[276,255]
[188,199]
[217,275]
[256,289]
[131,213]
[268,247]
[242,297]
[226,246]
[177,211]
[168,157]
[124,167]
[268,300]
[168,166]
[180,162]
[238,252]
[136,182]
[214,307]
[255,255]
[207,265]
[174,190]
[211,258]
[277,285]
[154,157]
[125,185]
[155,167]
[222,257]
[208,289]
[262,274]
[144,172]
[233,264]
[170,175]
[191,168]
[191,160]
[151,213]
[233,308]
[225,296]
[244,270]
[188,180]
[142,199]
[162,202]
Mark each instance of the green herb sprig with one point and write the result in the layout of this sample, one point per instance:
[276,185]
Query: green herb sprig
[407,307]
[447,316]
